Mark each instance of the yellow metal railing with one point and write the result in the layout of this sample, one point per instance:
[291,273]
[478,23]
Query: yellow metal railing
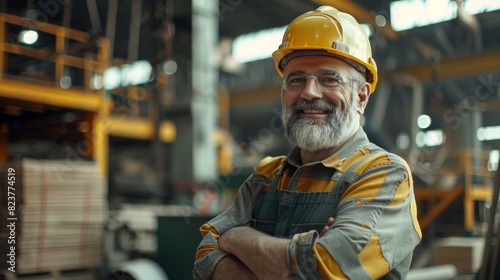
[63,49]
[92,64]
[471,179]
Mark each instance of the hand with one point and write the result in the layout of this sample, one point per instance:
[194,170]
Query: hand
[328,225]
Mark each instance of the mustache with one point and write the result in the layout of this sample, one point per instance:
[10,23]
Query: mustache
[313,104]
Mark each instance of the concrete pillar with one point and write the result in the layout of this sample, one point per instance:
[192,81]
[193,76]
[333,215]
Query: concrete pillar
[205,77]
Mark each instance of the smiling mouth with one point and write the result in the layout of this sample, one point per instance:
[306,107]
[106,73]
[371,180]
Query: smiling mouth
[314,111]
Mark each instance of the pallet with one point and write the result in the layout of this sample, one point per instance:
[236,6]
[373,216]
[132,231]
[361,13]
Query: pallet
[60,212]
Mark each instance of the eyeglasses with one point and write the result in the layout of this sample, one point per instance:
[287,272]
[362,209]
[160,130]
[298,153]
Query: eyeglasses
[296,81]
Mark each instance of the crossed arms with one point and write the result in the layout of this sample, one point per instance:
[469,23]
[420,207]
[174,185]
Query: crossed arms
[375,231]
[254,255]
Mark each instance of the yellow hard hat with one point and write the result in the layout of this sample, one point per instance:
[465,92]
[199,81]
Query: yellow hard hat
[333,32]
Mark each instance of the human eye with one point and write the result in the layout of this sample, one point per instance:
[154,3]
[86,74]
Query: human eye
[329,79]
[296,79]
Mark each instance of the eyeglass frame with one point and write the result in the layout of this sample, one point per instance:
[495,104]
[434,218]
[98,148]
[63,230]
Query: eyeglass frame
[338,80]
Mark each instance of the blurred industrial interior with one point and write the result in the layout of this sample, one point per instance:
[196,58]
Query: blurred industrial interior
[132,122]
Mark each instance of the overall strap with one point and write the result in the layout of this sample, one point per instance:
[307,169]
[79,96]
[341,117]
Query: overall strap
[276,177]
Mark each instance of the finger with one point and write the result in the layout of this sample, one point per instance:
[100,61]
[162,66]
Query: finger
[329,223]
[325,229]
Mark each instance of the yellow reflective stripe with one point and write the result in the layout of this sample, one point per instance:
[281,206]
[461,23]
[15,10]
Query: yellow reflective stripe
[327,267]
[401,194]
[373,260]
[366,188]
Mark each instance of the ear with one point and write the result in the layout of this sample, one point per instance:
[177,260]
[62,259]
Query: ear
[363,96]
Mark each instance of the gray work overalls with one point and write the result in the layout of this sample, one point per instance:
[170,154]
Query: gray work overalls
[283,213]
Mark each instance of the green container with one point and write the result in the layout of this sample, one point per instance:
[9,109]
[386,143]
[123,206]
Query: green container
[178,238]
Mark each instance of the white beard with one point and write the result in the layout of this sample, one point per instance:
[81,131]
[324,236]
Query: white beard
[318,134]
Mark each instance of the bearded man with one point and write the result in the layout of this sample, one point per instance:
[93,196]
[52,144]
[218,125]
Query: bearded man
[337,206]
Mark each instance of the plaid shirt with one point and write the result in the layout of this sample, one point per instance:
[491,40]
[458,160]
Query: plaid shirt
[375,229]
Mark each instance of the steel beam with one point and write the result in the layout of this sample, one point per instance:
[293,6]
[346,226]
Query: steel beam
[446,198]
[45,27]
[134,31]
[457,67]
[450,69]
[94,16]
[361,14]
[52,96]
[111,25]
[142,129]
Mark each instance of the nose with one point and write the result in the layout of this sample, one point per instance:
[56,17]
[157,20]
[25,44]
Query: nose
[312,89]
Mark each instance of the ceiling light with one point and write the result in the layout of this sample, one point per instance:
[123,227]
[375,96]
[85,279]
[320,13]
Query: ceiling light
[408,14]
[380,20]
[28,37]
[170,67]
[424,121]
[430,138]
[488,133]
[403,141]
[257,45]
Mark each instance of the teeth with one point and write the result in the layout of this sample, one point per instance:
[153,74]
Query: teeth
[312,111]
